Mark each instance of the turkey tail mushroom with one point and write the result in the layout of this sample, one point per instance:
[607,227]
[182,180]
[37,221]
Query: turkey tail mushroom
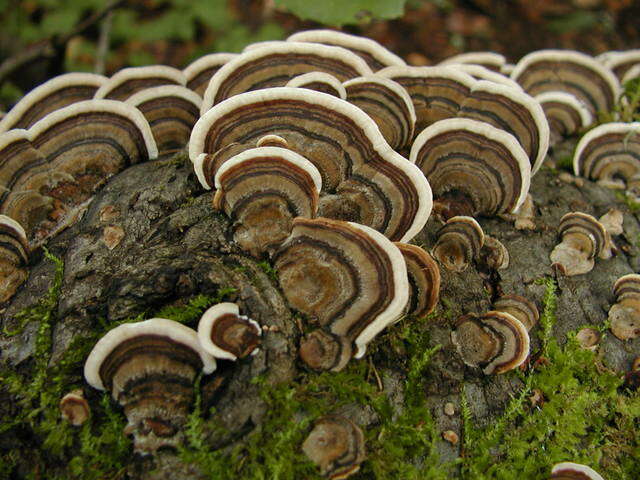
[14,257]
[490,60]
[624,315]
[620,62]
[131,80]
[573,471]
[519,307]
[565,114]
[481,73]
[459,243]
[319,82]
[225,334]
[424,280]
[199,72]
[583,239]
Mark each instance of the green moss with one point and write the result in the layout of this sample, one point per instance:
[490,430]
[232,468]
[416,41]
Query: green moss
[266,267]
[191,311]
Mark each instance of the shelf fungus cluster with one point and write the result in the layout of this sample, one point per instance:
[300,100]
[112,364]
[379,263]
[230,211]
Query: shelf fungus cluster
[624,315]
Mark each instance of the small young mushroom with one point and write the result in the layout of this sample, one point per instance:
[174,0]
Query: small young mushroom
[588,338]
[565,114]
[336,445]
[199,72]
[320,82]
[424,279]
[573,471]
[459,243]
[520,307]
[131,80]
[149,368]
[74,408]
[624,315]
[226,334]
[583,239]
[493,254]
[490,60]
[14,256]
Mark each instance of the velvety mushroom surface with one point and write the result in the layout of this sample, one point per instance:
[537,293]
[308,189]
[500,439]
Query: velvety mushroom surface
[520,307]
[128,81]
[565,114]
[226,334]
[458,243]
[14,256]
[491,60]
[320,82]
[199,72]
[624,315]
[583,239]
[424,280]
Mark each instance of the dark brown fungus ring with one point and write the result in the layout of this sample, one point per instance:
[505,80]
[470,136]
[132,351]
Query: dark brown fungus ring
[520,307]
[336,445]
[348,278]
[131,80]
[14,257]
[459,243]
[624,315]
[472,167]
[424,279]
[199,72]
[565,114]
[149,368]
[496,341]
[320,82]
[55,94]
[262,190]
[573,471]
[226,334]
[583,239]
[490,60]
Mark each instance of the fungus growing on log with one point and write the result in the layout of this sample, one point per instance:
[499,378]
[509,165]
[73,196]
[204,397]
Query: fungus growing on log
[424,280]
[172,111]
[319,82]
[348,278]
[459,243]
[496,341]
[624,315]
[128,81]
[199,72]
[568,71]
[565,114]
[149,368]
[276,64]
[14,257]
[519,307]
[490,60]
[226,334]
[472,167]
[262,190]
[376,56]
[52,95]
[573,471]
[336,445]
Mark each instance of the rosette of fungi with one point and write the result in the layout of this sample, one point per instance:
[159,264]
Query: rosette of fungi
[319,82]
[568,71]
[199,72]
[376,56]
[609,154]
[149,368]
[349,279]
[172,111]
[496,341]
[624,315]
[620,61]
[52,95]
[489,60]
[520,307]
[277,63]
[363,179]
[14,257]
[472,167]
[565,114]
[128,81]
[583,239]
[458,243]
[573,471]
[226,334]
[262,190]
[424,280]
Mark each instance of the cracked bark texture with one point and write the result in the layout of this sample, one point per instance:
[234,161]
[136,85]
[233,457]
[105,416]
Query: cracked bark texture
[151,238]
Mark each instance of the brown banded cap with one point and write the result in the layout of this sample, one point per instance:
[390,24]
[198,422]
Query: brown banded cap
[568,71]
[482,73]
[52,95]
[520,307]
[369,50]
[565,113]
[14,257]
[496,341]
[624,315]
[459,243]
[583,239]
[128,81]
[573,471]
[620,62]
[226,334]
[262,190]
[172,111]
[274,65]
[627,286]
[199,72]
[494,254]
[490,60]
[320,82]
[424,279]
[475,164]
[348,277]
[74,408]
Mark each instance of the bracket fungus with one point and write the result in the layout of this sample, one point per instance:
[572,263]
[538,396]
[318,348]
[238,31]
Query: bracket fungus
[479,72]
[620,62]
[583,239]
[624,315]
[459,242]
[424,280]
[14,256]
[490,60]
[565,114]
[199,72]
[496,341]
[519,307]
[149,368]
[262,190]
[52,95]
[319,82]
[632,74]
[348,278]
[128,81]
[336,445]
[472,167]
[573,471]
[226,334]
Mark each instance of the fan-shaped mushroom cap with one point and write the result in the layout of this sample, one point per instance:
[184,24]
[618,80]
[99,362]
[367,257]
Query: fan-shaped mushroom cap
[348,277]
[631,74]
[14,256]
[53,95]
[436,92]
[149,368]
[627,286]
[424,279]
[620,62]
[573,471]
[276,64]
[624,315]
[459,243]
[565,114]
[262,190]
[324,351]
[514,112]
[496,341]
[388,104]
[609,153]
[494,254]
[336,445]
[172,111]
[369,50]
[520,307]
[481,73]
[226,334]
[131,80]
[324,130]
[568,71]
[320,82]
[199,72]
[475,164]
[489,60]
[583,239]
